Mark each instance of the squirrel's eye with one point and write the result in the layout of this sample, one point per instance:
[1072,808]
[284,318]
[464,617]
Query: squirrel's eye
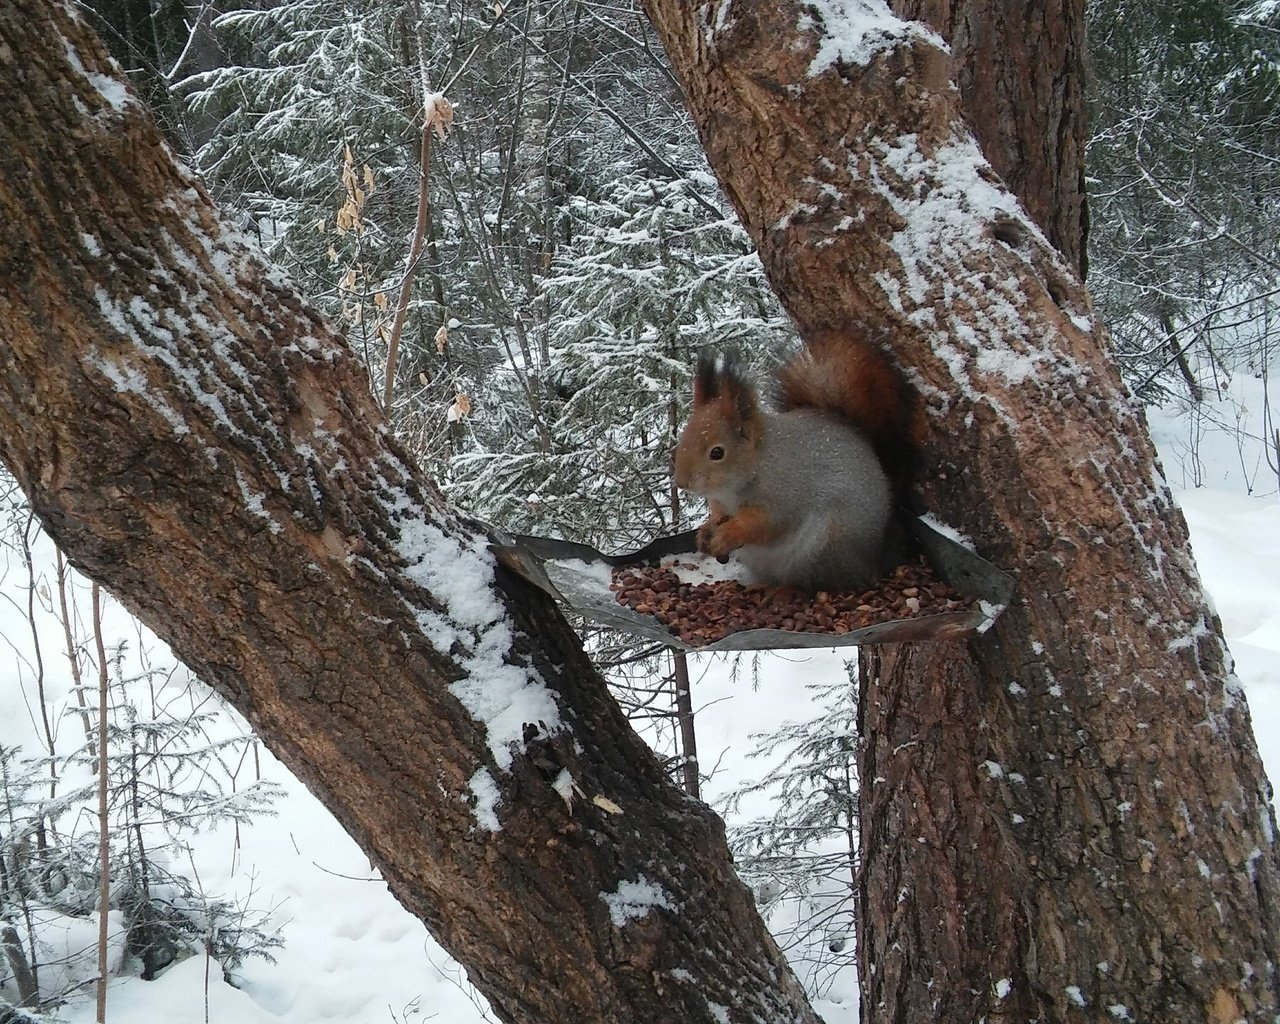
[716,454]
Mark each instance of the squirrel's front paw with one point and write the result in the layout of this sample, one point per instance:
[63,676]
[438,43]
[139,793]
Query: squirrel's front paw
[708,530]
[716,541]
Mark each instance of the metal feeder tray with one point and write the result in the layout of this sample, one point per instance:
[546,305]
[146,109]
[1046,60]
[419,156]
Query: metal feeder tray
[541,560]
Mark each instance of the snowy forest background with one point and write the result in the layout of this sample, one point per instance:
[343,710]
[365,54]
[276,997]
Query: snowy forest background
[528,272]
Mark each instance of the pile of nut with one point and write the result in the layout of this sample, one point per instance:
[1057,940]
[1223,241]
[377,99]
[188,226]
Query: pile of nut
[702,613]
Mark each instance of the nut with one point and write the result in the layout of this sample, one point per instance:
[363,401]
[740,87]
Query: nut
[703,613]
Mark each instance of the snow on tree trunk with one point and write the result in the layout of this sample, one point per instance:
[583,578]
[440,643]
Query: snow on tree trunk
[1065,818]
[201,443]
[1019,65]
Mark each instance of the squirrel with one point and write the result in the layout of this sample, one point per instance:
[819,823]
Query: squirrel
[804,494]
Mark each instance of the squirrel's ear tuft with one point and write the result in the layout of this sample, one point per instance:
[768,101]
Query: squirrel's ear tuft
[737,394]
[706,378]
[720,377]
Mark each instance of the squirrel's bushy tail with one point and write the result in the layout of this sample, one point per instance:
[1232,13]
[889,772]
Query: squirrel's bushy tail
[850,377]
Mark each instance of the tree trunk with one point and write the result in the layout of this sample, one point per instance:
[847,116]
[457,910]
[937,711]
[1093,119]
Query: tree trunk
[1065,818]
[1020,69]
[201,443]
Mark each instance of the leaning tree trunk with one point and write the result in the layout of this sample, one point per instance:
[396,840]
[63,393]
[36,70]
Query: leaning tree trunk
[1066,818]
[198,441]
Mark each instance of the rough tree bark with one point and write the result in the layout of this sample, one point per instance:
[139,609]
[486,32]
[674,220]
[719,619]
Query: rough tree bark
[1019,65]
[198,441]
[1065,819]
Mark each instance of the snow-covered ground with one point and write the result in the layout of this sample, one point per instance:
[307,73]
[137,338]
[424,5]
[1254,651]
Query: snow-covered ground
[352,955]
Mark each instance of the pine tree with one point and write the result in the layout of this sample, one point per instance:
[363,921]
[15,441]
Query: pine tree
[647,277]
[1184,194]
[317,150]
[802,858]
[169,778]
[171,771]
